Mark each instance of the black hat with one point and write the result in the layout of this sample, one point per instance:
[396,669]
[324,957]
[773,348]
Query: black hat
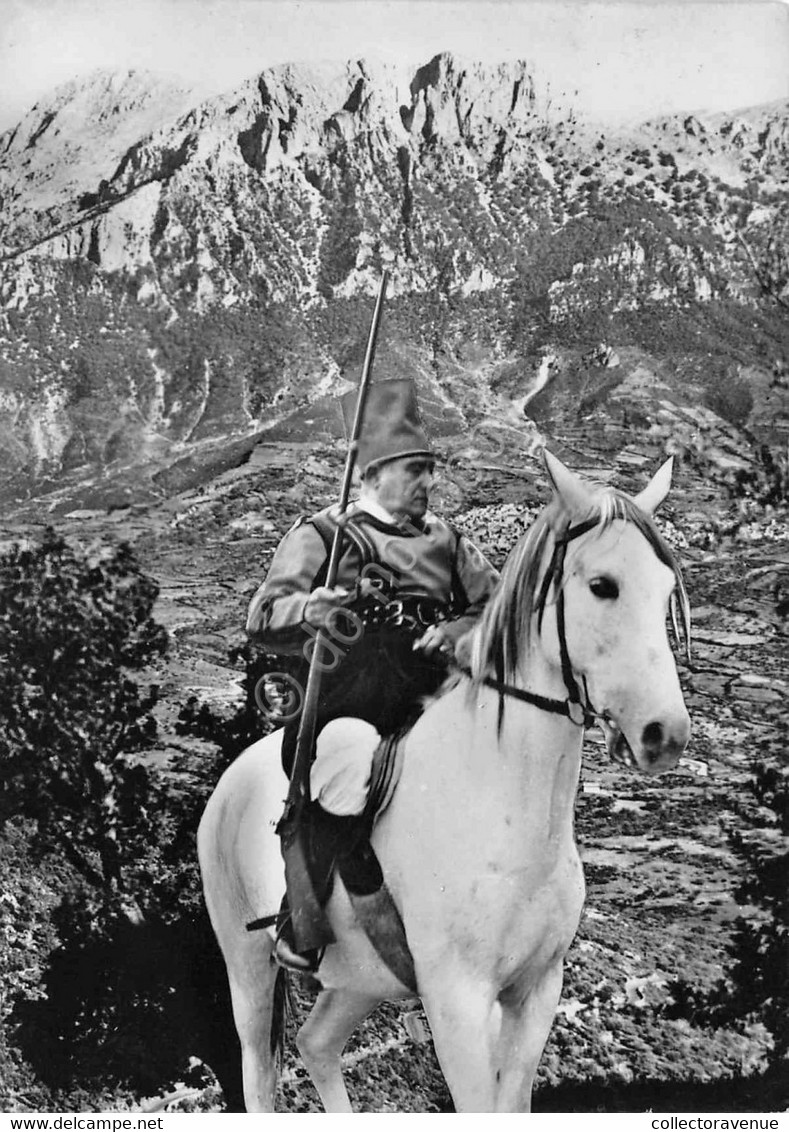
[391,427]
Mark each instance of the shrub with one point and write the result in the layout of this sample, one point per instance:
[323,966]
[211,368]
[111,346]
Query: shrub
[27,937]
[110,972]
[728,395]
[767,483]
[72,628]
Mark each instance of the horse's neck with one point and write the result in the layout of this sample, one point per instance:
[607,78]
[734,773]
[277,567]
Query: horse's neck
[529,765]
[474,798]
[538,758]
[527,722]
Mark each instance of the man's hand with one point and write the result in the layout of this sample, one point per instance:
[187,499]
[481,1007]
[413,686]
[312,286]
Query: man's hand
[436,640]
[323,603]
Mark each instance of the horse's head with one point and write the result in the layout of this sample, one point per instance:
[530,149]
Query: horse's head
[578,619]
[617,582]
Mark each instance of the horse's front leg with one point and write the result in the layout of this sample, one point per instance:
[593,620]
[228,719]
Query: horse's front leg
[527,1013]
[464,1018]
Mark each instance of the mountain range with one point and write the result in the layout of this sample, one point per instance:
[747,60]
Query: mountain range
[181,278]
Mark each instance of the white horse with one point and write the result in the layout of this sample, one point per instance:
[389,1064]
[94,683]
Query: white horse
[477,844]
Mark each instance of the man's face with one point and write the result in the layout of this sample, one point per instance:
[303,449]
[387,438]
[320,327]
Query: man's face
[403,486]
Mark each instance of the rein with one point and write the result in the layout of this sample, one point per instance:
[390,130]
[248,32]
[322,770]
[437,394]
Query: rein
[576,708]
[584,716]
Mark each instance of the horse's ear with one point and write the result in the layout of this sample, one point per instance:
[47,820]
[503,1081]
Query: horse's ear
[657,489]
[573,492]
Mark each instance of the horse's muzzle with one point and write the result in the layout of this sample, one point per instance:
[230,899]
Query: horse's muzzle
[659,749]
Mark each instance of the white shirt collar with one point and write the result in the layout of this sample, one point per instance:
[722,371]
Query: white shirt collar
[374,508]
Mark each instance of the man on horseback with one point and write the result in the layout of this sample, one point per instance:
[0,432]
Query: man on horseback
[408,587]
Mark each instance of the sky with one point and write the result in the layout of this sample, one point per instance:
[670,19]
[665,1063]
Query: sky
[627,59]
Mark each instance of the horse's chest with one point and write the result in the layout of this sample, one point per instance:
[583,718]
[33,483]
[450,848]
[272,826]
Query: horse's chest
[534,906]
[500,915]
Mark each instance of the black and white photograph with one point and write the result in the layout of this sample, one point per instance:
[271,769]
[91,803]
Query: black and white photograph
[394,558]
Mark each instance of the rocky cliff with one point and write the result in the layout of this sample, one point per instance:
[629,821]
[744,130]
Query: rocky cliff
[179,273]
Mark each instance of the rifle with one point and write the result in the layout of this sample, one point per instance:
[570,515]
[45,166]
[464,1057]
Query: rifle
[311,927]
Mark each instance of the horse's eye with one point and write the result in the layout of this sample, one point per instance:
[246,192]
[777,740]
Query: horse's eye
[604,588]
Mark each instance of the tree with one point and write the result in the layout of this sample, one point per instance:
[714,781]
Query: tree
[73,626]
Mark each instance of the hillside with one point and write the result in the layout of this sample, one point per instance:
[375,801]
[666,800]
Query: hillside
[185,287]
[178,277]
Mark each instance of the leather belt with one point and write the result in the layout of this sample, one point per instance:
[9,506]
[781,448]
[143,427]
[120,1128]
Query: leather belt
[414,614]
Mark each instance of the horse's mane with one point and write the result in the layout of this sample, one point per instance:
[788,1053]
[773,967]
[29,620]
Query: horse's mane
[526,581]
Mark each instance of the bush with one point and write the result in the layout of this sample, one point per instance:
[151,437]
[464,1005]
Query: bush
[72,627]
[27,937]
[728,395]
[102,930]
[111,976]
[767,483]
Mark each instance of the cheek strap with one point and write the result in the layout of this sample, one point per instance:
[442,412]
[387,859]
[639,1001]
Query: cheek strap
[577,707]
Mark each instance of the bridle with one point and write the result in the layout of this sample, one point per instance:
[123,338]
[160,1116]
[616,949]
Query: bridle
[580,713]
[577,707]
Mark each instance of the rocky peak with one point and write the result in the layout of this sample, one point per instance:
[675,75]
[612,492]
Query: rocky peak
[457,100]
[72,140]
[178,269]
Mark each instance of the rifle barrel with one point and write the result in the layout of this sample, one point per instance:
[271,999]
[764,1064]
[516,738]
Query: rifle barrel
[306,733]
[361,401]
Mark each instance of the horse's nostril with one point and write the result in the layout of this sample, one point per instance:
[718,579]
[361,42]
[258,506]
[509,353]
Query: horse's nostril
[653,737]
